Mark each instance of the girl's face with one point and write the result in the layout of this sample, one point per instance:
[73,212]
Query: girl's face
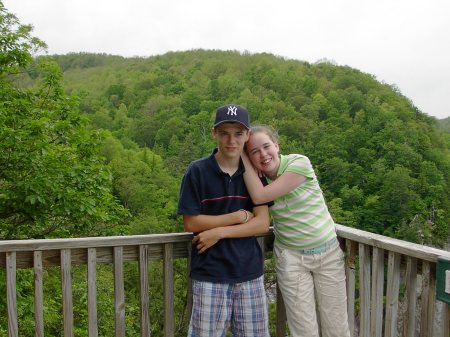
[263,154]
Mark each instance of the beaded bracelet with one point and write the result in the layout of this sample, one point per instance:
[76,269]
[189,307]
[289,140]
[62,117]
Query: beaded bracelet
[246,215]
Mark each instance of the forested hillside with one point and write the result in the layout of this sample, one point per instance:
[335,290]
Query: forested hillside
[382,163]
[444,124]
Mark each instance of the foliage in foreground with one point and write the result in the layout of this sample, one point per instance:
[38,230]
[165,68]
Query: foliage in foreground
[53,181]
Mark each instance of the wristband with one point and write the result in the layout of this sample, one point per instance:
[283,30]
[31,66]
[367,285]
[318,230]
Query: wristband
[246,215]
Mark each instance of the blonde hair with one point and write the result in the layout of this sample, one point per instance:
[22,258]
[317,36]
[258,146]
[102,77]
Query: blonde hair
[267,129]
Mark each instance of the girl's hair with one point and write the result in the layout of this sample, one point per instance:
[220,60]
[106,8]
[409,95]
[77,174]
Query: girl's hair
[268,130]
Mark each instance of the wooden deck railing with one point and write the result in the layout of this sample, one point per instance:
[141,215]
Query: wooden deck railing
[391,283]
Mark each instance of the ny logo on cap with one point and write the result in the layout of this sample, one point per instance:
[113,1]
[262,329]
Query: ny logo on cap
[232,110]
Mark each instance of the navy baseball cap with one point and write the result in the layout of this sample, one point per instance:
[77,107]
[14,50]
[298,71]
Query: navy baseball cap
[232,113]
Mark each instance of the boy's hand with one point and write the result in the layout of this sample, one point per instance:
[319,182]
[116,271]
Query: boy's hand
[207,239]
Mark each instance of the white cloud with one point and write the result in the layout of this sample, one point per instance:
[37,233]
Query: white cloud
[401,42]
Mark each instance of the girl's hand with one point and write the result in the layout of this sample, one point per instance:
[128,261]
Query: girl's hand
[248,164]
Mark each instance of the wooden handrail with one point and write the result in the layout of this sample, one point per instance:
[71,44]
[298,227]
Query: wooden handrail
[376,266]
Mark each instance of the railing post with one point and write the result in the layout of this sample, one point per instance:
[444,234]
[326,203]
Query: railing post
[351,251]
[189,283]
[424,321]
[392,292]
[376,325]
[409,324]
[119,296]
[66,284]
[38,294]
[364,290]
[11,297]
[431,305]
[168,290]
[446,320]
[281,315]
[92,292]
[143,289]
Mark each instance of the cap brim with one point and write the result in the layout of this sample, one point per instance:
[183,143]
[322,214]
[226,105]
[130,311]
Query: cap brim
[231,121]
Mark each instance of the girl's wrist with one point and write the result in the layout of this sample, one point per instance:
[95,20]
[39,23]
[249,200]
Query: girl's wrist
[247,216]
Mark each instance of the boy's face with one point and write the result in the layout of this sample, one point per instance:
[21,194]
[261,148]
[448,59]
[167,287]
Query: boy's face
[230,138]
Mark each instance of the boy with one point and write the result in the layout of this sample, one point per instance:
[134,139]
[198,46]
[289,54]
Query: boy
[227,262]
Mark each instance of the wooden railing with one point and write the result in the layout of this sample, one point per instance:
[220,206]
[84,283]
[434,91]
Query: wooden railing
[391,283]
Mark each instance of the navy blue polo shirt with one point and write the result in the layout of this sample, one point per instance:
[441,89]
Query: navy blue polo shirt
[206,189]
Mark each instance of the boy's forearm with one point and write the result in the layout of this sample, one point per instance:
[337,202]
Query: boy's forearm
[258,225]
[202,222]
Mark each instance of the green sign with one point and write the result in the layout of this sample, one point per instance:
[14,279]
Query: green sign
[443,279]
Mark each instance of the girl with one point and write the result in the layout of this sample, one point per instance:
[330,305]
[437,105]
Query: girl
[309,262]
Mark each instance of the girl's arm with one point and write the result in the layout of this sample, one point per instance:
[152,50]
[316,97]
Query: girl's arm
[260,194]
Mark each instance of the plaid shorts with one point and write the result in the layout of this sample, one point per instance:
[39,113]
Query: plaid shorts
[243,306]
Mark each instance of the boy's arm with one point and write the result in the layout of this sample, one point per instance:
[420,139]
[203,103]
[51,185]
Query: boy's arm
[259,224]
[202,222]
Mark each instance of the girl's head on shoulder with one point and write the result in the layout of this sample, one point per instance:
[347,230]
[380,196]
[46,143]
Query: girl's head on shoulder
[263,150]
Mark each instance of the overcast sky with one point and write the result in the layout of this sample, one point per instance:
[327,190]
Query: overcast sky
[402,42]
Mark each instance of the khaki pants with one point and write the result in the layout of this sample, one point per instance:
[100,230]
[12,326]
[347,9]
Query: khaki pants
[305,279]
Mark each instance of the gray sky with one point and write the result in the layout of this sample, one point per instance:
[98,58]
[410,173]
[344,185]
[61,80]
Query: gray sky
[402,42]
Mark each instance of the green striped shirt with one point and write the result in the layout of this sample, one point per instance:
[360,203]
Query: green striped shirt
[301,217]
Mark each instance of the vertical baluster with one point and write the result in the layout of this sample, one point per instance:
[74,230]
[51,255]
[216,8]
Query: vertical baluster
[66,284]
[11,297]
[446,320]
[431,300]
[119,292]
[364,289]
[168,290]
[392,291]
[377,292]
[92,292]
[409,324]
[38,294]
[351,249]
[281,315]
[143,281]
[424,298]
[189,282]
